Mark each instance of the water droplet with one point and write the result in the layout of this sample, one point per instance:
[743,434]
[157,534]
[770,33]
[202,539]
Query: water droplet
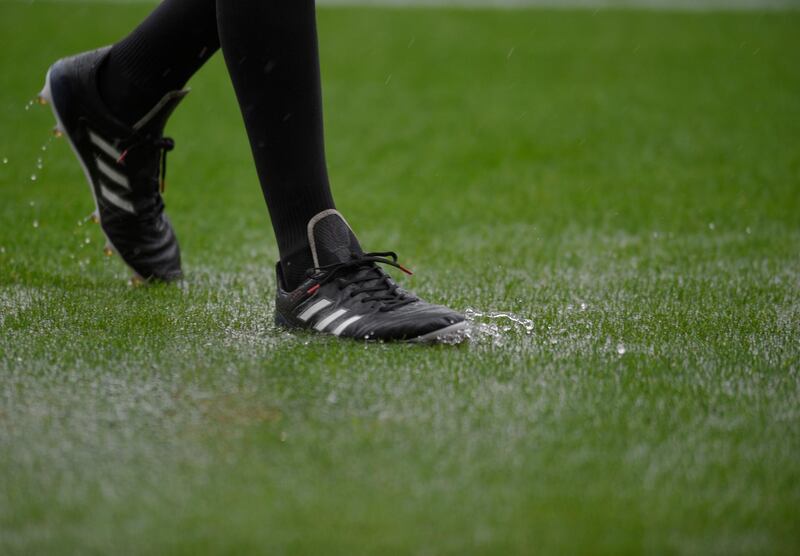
[87,240]
[2,250]
[5,160]
[35,223]
[31,203]
[711,226]
[33,177]
[39,163]
[748,231]
[621,349]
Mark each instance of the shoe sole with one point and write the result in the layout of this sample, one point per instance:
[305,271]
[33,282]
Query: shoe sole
[46,97]
[443,334]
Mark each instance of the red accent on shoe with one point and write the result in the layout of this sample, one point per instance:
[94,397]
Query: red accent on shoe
[313,289]
[404,269]
[121,159]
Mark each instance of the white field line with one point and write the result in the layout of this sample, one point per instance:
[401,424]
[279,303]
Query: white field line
[692,5]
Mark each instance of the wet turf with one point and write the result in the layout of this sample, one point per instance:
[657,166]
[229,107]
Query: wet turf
[628,181]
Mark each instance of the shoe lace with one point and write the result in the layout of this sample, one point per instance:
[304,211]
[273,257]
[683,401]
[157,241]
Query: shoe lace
[362,273]
[160,143]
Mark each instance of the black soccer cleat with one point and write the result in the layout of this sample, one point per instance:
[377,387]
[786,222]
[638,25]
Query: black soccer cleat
[347,294]
[124,165]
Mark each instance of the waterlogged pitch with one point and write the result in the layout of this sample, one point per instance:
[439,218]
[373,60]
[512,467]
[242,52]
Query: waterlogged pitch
[624,187]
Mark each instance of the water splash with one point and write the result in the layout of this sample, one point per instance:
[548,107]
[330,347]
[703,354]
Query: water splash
[517,322]
[93,218]
[39,159]
[46,144]
[494,326]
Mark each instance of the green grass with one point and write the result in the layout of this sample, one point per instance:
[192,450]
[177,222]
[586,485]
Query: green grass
[630,181]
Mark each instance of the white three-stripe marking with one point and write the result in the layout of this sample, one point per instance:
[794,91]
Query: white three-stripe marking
[115,199]
[112,174]
[321,325]
[313,310]
[347,322]
[104,146]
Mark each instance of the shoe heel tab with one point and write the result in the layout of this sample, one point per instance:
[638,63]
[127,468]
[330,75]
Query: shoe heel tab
[162,110]
[330,238]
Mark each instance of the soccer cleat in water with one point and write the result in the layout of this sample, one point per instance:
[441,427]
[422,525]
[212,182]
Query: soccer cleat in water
[347,294]
[124,165]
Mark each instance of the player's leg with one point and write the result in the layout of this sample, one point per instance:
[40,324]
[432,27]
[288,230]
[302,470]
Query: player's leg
[270,47]
[325,280]
[113,104]
[159,56]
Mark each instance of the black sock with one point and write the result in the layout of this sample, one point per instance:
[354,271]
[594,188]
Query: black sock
[270,48]
[159,56]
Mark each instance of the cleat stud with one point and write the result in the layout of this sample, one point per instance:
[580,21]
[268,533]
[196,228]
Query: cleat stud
[57,133]
[108,251]
[41,99]
[95,218]
[135,281]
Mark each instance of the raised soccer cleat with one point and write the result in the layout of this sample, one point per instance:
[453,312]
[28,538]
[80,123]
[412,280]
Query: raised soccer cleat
[124,165]
[347,294]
